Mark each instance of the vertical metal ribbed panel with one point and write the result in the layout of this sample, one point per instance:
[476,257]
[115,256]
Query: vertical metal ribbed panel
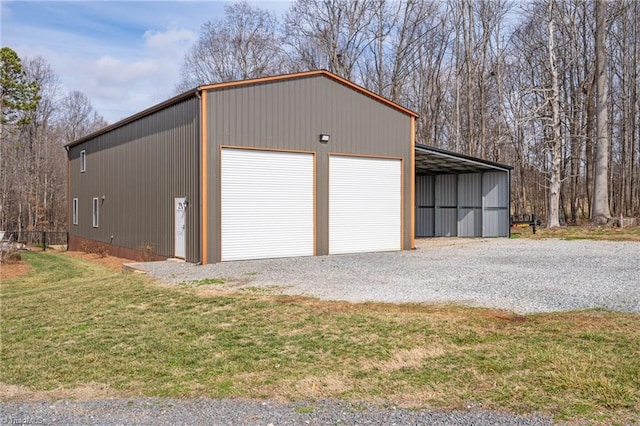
[425,222]
[470,190]
[495,192]
[425,206]
[446,206]
[137,170]
[290,115]
[425,195]
[470,205]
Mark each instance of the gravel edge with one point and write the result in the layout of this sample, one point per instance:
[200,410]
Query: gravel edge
[167,411]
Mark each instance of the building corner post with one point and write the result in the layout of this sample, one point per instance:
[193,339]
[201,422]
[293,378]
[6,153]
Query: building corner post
[204,176]
[69,201]
[412,183]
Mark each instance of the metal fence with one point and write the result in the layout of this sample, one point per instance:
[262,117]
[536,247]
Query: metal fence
[38,238]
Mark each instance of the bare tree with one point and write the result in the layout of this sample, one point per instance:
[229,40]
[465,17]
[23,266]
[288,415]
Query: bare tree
[504,87]
[33,172]
[19,98]
[329,34]
[555,143]
[77,118]
[244,44]
[600,212]
[401,32]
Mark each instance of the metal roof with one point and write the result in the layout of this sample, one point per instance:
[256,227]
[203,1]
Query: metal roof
[432,160]
[304,74]
[196,91]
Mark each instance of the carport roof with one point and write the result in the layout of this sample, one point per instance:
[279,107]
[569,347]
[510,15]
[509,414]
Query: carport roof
[436,161]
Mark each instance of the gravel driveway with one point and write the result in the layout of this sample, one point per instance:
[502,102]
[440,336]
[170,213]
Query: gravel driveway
[158,412]
[521,275]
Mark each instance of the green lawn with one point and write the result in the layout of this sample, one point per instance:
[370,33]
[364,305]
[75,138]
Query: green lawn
[69,323]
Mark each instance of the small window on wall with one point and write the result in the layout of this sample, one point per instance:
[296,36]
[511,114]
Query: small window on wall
[83,161]
[74,212]
[96,205]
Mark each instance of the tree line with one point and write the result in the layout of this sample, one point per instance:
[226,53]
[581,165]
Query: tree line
[37,120]
[550,87]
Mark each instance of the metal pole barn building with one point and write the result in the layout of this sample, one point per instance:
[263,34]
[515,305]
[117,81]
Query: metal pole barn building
[460,196]
[294,165]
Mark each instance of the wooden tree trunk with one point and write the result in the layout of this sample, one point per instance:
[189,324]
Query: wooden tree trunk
[600,212]
[553,217]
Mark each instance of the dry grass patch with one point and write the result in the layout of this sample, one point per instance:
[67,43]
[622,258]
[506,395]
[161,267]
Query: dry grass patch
[10,271]
[314,387]
[110,262]
[85,391]
[405,358]
[72,323]
[585,232]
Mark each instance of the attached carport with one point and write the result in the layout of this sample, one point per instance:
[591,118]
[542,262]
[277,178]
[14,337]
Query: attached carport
[459,195]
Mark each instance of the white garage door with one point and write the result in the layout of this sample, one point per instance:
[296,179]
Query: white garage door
[266,204]
[365,196]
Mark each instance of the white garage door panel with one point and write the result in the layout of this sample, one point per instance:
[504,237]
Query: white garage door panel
[266,204]
[364,204]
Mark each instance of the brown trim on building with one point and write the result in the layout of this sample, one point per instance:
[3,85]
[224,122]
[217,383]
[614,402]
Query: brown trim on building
[402,200]
[203,88]
[412,183]
[218,206]
[311,74]
[315,205]
[257,148]
[148,111]
[204,199]
[69,200]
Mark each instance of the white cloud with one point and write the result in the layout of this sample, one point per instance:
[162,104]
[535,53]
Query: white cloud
[125,56]
[108,70]
[169,41]
[130,83]
[126,86]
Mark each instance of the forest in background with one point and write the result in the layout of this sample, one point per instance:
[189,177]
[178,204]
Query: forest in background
[37,120]
[549,87]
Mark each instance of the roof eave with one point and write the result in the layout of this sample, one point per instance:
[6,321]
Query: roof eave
[199,89]
[176,99]
[465,157]
[304,74]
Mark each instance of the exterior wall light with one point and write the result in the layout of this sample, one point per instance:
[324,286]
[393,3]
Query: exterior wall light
[324,138]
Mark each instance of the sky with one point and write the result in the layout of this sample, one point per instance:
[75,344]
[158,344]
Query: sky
[124,55]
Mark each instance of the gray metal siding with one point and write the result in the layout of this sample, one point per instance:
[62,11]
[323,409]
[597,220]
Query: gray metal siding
[290,115]
[464,205]
[495,191]
[446,214]
[139,169]
[470,205]
[425,206]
